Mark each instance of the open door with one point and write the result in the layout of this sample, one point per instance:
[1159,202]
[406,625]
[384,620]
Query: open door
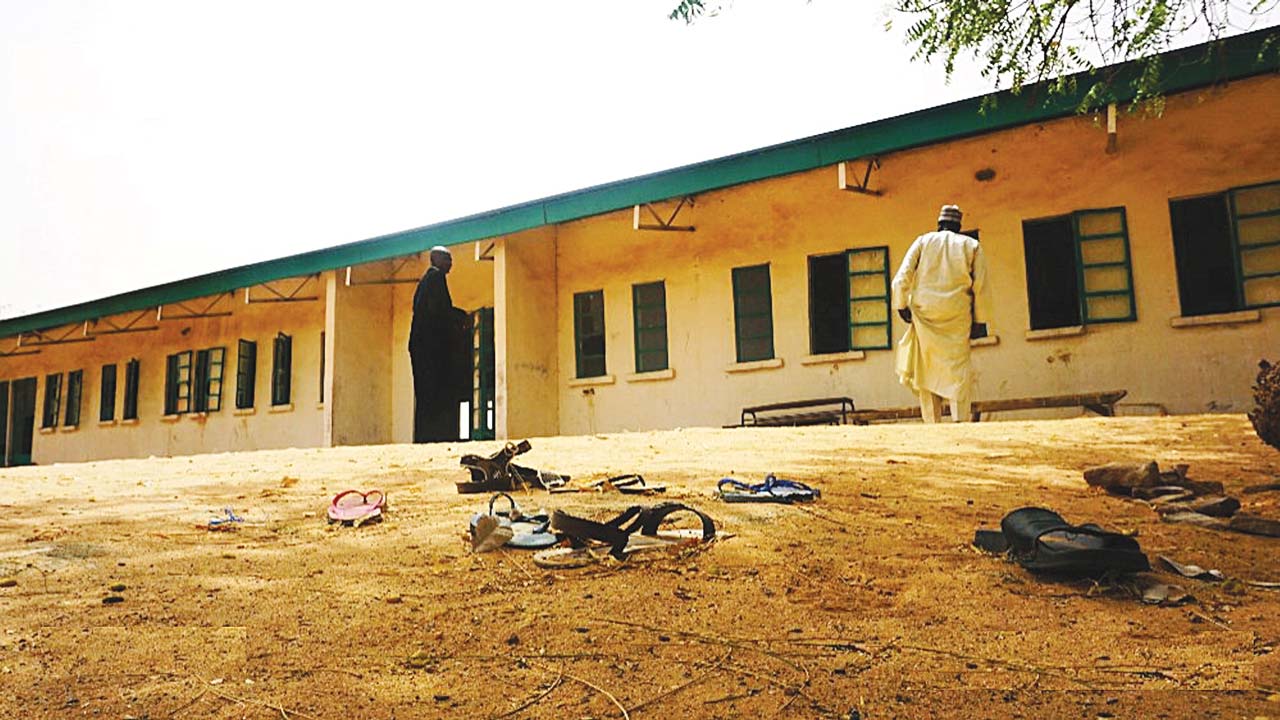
[482,386]
[22,420]
[4,423]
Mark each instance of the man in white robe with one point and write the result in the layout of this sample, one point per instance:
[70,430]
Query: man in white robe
[941,292]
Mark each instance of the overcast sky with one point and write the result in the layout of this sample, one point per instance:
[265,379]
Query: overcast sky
[143,141]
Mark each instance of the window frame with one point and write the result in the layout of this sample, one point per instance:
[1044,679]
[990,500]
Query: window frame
[1237,250]
[887,298]
[636,307]
[177,390]
[75,398]
[1082,267]
[738,277]
[132,372]
[246,373]
[281,370]
[52,401]
[580,357]
[209,370]
[107,393]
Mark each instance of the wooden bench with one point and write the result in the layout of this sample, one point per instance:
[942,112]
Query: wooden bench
[1102,403]
[822,411]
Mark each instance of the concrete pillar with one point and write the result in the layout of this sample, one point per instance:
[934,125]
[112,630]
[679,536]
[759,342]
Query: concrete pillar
[525,345]
[357,371]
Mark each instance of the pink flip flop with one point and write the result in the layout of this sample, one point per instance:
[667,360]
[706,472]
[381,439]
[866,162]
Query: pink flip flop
[354,507]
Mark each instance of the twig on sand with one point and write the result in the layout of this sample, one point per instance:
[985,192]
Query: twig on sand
[588,683]
[712,640]
[554,684]
[284,713]
[796,690]
[682,686]
[507,556]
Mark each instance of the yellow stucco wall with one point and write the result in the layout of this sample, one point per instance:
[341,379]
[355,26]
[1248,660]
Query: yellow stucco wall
[300,425]
[1205,142]
[525,345]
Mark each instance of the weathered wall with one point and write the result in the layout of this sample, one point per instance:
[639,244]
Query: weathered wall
[525,335]
[358,376]
[1205,142]
[299,424]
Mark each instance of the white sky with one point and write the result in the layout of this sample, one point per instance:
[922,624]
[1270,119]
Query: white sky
[143,141]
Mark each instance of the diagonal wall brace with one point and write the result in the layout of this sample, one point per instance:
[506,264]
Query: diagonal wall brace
[667,224]
[863,187]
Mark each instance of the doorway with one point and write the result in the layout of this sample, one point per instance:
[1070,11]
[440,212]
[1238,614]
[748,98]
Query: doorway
[482,387]
[19,420]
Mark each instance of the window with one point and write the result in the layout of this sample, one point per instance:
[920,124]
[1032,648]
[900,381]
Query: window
[246,373]
[649,304]
[1078,269]
[321,366]
[52,400]
[752,313]
[75,389]
[107,404]
[281,369]
[177,383]
[588,333]
[1227,250]
[849,301]
[208,379]
[130,411]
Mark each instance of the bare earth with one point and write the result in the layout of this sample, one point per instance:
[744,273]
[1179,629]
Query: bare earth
[868,604]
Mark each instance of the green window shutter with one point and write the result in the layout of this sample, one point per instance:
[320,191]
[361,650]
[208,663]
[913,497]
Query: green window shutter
[281,369]
[131,371]
[588,333]
[649,308]
[1255,216]
[52,400]
[177,384]
[246,373]
[200,382]
[211,389]
[752,313]
[107,405]
[75,391]
[322,359]
[1104,266]
[869,304]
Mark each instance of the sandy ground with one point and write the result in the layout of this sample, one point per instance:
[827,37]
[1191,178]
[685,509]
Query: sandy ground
[868,604]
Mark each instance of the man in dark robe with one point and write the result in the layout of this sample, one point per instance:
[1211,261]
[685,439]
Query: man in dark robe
[431,352]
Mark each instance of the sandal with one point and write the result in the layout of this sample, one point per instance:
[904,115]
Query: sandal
[352,507]
[490,474]
[629,484]
[619,537]
[512,527]
[772,490]
[1041,541]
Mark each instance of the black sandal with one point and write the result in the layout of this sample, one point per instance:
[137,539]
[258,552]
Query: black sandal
[1041,541]
[619,536]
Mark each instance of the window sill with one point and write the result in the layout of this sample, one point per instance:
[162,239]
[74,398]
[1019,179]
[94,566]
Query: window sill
[592,381]
[1055,333]
[170,418]
[68,428]
[107,423]
[754,365]
[833,358]
[129,421]
[244,411]
[201,416]
[1232,318]
[47,431]
[652,376]
[984,341]
[281,408]
[320,405]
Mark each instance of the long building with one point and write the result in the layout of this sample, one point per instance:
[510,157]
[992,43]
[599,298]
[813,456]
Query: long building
[1126,251]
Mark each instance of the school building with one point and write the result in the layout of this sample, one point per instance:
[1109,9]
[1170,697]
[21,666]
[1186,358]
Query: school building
[1125,251]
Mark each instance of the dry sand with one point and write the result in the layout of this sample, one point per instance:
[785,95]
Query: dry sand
[868,604]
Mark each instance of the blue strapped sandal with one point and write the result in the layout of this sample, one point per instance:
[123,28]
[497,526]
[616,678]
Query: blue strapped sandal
[772,490]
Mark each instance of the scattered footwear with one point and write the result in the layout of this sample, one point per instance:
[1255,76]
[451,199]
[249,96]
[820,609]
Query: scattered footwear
[510,527]
[630,484]
[772,490]
[352,507]
[1041,540]
[634,530]
[227,521]
[496,473]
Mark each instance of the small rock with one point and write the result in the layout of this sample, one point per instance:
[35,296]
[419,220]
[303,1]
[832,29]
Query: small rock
[1194,518]
[1214,506]
[112,600]
[8,582]
[117,588]
[1122,478]
[394,600]
[1233,586]
[513,640]
[419,660]
[441,698]
[1255,525]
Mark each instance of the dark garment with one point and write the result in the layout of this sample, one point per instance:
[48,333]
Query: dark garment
[435,411]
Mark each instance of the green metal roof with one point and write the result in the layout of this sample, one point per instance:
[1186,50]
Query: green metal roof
[1197,66]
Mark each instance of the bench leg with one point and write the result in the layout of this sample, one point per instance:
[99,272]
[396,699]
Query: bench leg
[1103,410]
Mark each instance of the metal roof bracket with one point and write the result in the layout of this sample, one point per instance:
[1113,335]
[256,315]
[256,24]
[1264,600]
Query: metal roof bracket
[278,296]
[18,350]
[191,312]
[864,187]
[487,253]
[666,225]
[388,278]
[45,337]
[111,327]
